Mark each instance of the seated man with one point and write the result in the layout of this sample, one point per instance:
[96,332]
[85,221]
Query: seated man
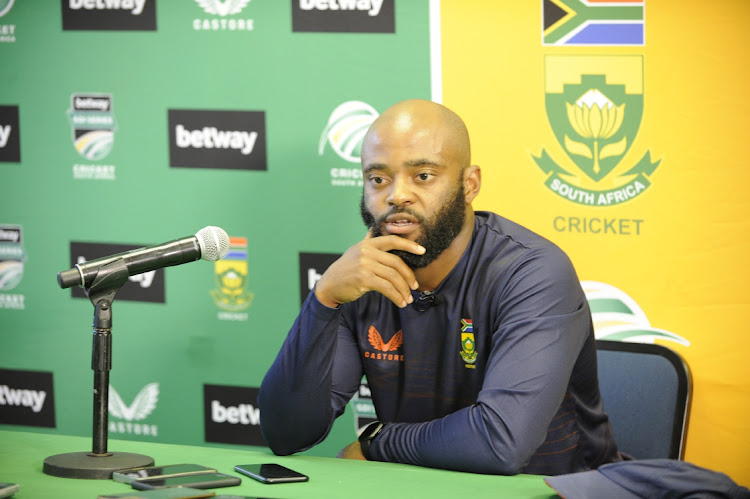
[473,332]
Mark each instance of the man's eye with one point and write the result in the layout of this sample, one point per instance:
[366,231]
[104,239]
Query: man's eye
[424,176]
[376,180]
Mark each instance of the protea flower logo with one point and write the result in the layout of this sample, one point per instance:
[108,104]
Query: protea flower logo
[93,124]
[594,106]
[617,317]
[231,294]
[346,128]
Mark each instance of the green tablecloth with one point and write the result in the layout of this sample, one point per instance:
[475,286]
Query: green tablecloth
[22,456]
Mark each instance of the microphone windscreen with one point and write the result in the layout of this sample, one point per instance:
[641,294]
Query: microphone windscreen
[214,243]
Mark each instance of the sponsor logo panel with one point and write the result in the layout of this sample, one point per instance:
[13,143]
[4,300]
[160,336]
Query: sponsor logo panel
[146,287]
[231,416]
[10,135]
[234,140]
[311,268]
[27,398]
[109,15]
[132,419]
[344,16]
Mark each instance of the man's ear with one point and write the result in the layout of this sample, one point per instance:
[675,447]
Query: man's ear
[472,182]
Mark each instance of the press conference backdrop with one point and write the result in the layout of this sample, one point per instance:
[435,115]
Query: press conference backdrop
[614,129]
[132,123]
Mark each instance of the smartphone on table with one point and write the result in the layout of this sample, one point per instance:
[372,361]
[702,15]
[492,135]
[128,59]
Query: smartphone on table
[271,473]
[8,489]
[148,472]
[171,493]
[202,481]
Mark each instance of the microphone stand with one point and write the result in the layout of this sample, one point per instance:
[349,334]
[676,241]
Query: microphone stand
[99,463]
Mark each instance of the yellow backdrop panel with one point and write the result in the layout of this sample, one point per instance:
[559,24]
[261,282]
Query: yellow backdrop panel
[672,235]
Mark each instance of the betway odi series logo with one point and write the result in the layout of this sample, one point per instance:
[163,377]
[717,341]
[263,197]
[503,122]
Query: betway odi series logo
[93,123]
[344,132]
[12,256]
[594,106]
[231,294]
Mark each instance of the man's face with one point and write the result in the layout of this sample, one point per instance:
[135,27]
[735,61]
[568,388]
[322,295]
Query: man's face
[436,233]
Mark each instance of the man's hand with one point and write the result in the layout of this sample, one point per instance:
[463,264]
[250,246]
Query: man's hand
[352,451]
[367,266]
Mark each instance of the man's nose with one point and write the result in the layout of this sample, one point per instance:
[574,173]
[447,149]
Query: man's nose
[401,192]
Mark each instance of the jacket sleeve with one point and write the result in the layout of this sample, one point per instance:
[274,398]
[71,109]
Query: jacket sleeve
[542,322]
[309,384]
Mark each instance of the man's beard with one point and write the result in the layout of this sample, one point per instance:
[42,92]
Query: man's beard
[437,234]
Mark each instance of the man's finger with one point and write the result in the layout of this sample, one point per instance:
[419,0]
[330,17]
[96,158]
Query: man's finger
[392,242]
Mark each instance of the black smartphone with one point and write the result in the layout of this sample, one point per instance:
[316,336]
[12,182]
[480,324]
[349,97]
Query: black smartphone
[202,481]
[149,472]
[170,493]
[271,473]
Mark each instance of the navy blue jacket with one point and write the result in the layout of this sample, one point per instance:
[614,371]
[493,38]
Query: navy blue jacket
[498,376]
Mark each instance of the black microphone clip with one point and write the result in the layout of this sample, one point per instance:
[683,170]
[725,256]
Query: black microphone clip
[426,300]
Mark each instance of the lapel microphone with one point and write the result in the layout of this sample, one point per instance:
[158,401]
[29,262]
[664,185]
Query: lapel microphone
[426,300]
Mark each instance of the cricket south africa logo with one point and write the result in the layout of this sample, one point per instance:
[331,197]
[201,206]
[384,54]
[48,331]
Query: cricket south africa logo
[344,133]
[468,345]
[594,106]
[5,6]
[617,316]
[93,123]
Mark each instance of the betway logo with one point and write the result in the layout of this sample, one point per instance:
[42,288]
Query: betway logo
[89,103]
[4,134]
[13,235]
[371,6]
[212,138]
[243,414]
[26,398]
[134,6]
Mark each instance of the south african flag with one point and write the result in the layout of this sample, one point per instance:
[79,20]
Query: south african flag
[593,22]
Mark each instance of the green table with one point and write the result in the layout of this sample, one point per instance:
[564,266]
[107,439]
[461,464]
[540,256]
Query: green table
[22,455]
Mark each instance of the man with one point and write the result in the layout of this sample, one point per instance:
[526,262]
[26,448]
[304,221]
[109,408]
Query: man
[473,332]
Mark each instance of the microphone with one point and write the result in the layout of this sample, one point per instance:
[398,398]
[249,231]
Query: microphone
[209,243]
